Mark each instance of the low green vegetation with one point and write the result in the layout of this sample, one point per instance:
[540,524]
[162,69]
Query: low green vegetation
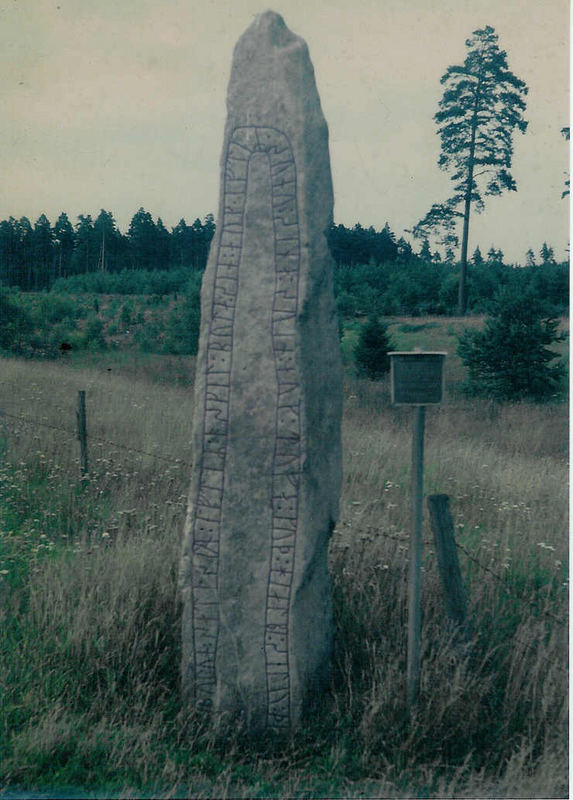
[511,358]
[89,635]
[418,287]
[158,282]
[39,323]
[372,348]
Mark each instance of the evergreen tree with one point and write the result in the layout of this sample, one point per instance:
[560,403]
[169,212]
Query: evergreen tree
[42,247]
[481,106]
[142,236]
[425,253]
[9,252]
[25,268]
[530,258]
[449,257]
[403,249]
[510,358]
[477,258]
[108,241]
[161,246]
[546,254]
[494,256]
[371,351]
[63,235]
[384,247]
[180,244]
[86,250]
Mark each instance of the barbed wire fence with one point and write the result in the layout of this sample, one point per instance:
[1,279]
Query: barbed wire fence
[95,440]
[103,441]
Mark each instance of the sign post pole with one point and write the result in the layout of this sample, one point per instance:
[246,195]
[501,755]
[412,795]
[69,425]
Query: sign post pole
[416,379]
[415,558]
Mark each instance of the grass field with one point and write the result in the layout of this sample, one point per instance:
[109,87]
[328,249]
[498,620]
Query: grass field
[90,619]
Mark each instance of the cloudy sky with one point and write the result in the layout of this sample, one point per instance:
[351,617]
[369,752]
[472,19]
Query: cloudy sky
[118,104]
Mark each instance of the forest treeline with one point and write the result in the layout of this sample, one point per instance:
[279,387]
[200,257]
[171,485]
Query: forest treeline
[33,257]
[376,272]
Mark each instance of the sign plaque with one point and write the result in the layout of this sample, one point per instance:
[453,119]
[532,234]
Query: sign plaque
[417,378]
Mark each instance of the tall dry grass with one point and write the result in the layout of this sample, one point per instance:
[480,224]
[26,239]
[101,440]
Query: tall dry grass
[90,618]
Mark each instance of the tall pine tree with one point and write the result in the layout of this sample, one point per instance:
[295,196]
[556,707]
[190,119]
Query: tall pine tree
[481,106]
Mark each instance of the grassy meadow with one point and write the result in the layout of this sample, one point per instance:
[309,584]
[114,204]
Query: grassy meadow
[89,627]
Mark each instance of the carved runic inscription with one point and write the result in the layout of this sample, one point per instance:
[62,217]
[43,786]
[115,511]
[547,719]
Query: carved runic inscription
[207,515]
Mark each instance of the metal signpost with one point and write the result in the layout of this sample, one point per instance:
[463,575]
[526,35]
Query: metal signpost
[416,379]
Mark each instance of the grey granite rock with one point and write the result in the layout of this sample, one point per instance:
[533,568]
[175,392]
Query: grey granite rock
[257,621]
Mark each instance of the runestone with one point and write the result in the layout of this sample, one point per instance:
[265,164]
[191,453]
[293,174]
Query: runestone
[257,617]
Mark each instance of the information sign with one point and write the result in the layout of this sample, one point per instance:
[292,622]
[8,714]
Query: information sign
[417,378]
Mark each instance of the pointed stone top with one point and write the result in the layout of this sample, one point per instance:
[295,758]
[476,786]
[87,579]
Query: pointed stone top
[272,79]
[270,28]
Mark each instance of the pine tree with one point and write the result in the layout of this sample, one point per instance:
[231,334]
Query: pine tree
[425,253]
[404,249]
[9,252]
[477,258]
[530,258]
[371,351]
[42,245]
[142,236]
[85,251]
[108,241]
[63,233]
[546,254]
[511,359]
[481,106]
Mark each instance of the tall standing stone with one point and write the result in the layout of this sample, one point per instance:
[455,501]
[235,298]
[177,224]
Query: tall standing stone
[257,620]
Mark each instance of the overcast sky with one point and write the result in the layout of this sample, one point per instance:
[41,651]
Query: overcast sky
[118,104]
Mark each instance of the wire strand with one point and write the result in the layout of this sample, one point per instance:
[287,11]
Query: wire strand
[95,440]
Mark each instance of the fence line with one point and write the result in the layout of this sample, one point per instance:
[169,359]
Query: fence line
[397,538]
[179,462]
[98,440]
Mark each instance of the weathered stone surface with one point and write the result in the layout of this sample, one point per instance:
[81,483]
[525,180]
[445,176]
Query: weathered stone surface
[257,627]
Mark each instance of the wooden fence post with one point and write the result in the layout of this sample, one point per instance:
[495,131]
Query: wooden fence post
[452,583]
[82,433]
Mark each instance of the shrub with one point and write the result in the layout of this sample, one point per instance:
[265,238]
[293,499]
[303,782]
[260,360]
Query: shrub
[345,304]
[371,351]
[148,337]
[55,308]
[156,282]
[511,359]
[126,316]
[94,336]
[16,324]
[183,324]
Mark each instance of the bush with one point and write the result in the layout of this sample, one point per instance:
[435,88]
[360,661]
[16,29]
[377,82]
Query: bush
[55,308]
[510,358]
[183,324]
[126,316]
[16,324]
[371,351]
[94,338]
[156,282]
